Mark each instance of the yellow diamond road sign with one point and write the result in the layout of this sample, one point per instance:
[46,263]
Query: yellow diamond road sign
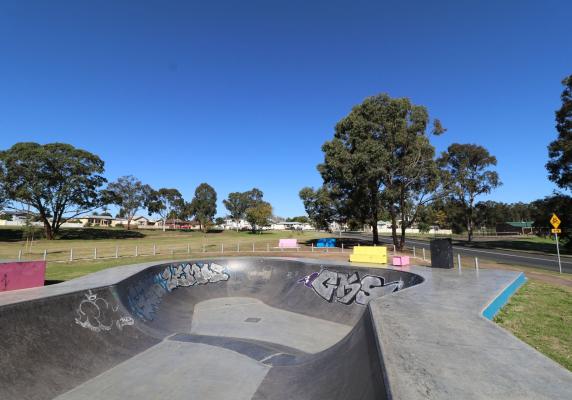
[555,221]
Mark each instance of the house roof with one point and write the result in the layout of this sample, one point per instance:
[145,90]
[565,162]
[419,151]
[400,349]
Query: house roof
[96,217]
[520,224]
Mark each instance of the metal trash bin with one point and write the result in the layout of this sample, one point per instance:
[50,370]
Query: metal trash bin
[442,253]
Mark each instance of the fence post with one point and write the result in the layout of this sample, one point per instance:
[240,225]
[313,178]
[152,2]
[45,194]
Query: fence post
[154,249]
[414,252]
[45,254]
[342,247]
[238,247]
[116,251]
[477,264]
[423,253]
[71,254]
[95,253]
[136,251]
[253,247]
[19,255]
[188,248]
[312,247]
[459,261]
[222,248]
[393,249]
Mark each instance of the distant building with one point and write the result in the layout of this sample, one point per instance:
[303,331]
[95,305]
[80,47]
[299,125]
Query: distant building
[96,220]
[292,226]
[517,228]
[230,224]
[15,218]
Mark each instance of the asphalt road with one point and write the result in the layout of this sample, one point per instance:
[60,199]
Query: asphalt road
[512,257]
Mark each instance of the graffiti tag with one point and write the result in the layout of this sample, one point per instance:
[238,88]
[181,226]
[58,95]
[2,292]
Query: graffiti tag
[96,314]
[349,288]
[144,297]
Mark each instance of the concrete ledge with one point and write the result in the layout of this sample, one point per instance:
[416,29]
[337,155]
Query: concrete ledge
[500,301]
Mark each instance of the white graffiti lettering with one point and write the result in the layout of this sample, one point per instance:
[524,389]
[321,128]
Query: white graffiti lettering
[96,314]
[145,296]
[348,288]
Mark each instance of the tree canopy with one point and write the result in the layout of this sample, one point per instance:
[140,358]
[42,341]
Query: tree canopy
[320,206]
[381,157]
[259,214]
[203,205]
[165,202]
[56,180]
[560,151]
[239,202]
[469,167]
[130,194]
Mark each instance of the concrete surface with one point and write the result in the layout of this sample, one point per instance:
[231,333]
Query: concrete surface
[247,318]
[437,345]
[169,371]
[262,328]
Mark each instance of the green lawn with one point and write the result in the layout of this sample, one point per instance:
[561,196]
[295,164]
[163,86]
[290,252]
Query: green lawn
[93,249]
[541,315]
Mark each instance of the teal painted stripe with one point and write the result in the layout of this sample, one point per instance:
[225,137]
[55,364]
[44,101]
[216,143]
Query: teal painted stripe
[493,308]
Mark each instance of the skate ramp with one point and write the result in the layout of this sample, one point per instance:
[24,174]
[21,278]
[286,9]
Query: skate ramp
[214,329]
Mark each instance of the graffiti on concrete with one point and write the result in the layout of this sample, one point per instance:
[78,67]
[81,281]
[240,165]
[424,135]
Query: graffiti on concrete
[144,297]
[96,314]
[349,288]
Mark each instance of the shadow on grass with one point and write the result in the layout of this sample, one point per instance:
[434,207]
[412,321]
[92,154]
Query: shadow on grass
[348,243]
[97,234]
[11,235]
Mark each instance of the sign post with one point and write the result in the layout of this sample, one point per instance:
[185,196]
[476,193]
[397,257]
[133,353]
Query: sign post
[555,222]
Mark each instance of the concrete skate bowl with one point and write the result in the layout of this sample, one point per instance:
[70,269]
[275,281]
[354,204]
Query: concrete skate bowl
[256,328]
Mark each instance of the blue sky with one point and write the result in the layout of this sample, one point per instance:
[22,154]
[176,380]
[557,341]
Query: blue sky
[243,93]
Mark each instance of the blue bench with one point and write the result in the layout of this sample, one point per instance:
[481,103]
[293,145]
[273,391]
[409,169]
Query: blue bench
[326,242]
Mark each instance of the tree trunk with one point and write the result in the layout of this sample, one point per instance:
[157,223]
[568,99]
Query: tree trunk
[375,234]
[48,230]
[394,227]
[470,229]
[470,220]
[402,238]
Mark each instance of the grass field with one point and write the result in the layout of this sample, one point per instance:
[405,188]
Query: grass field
[540,314]
[93,249]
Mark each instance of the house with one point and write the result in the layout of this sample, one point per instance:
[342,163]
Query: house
[292,226]
[96,220]
[140,220]
[230,224]
[516,228]
[16,218]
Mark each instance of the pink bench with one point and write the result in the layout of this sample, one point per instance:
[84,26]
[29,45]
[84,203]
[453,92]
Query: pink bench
[400,261]
[288,244]
[22,275]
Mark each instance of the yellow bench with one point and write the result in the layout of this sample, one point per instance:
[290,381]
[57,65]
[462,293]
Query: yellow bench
[369,254]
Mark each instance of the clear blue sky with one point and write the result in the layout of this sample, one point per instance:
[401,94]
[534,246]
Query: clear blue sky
[243,93]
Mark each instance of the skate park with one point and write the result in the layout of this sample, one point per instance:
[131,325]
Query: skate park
[270,328]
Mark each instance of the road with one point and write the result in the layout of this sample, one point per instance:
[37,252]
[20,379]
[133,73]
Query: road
[548,262]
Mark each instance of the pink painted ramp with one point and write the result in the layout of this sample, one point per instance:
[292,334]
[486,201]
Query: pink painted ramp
[22,275]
